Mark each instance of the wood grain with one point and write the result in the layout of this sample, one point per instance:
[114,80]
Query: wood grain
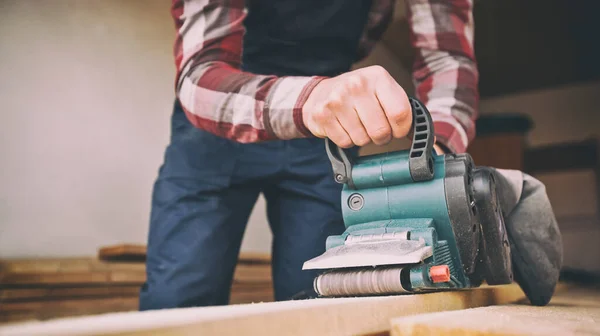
[572,312]
[133,252]
[57,293]
[343,316]
[128,252]
[89,271]
[42,289]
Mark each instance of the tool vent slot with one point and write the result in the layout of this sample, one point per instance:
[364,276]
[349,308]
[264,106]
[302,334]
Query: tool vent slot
[443,256]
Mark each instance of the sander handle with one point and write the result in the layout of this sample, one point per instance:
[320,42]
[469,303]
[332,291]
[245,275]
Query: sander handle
[420,157]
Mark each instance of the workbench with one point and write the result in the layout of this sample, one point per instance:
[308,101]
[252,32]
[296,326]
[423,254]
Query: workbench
[573,310]
[98,296]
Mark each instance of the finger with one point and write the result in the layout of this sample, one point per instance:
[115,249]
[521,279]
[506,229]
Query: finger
[325,124]
[332,129]
[396,106]
[374,119]
[336,133]
[350,121]
[345,118]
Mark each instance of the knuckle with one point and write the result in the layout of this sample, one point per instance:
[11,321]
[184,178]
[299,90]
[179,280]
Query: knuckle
[321,115]
[334,101]
[399,115]
[362,141]
[381,133]
[355,84]
[378,70]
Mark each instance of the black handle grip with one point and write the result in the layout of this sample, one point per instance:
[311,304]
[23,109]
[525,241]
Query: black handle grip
[420,156]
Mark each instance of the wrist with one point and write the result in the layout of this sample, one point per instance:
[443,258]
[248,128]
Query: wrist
[303,105]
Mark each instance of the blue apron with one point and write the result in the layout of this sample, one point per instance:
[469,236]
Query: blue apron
[207,186]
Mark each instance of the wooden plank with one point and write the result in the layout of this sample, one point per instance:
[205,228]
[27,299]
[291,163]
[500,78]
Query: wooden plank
[254,273]
[87,304]
[65,265]
[129,252]
[8,279]
[69,271]
[50,288]
[44,310]
[79,272]
[572,312]
[504,320]
[133,252]
[50,293]
[80,278]
[341,316]
[243,273]
[17,317]
[254,258]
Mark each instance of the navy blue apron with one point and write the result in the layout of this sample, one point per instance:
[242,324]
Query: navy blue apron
[207,186]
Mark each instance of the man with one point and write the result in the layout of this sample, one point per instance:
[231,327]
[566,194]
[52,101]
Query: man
[259,84]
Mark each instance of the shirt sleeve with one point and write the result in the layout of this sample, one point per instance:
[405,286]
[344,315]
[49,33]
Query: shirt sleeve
[445,70]
[216,95]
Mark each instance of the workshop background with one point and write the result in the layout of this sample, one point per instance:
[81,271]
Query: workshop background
[86,91]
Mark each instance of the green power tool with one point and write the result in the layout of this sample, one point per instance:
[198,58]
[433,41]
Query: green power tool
[415,222]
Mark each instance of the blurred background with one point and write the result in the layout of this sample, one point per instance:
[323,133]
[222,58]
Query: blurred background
[86,91]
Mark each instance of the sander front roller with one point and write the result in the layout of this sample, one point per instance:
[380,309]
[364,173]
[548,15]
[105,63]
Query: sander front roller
[415,221]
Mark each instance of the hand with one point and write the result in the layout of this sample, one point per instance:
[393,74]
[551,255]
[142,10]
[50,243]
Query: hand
[357,108]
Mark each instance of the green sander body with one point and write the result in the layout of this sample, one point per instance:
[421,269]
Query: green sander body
[415,221]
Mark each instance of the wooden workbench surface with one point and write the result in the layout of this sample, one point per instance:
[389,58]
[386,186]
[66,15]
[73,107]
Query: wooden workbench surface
[573,311]
[341,316]
[42,289]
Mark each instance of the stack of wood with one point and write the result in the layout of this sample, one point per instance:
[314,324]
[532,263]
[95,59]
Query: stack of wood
[252,280]
[41,289]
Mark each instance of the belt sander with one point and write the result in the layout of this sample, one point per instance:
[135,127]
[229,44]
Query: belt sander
[415,221]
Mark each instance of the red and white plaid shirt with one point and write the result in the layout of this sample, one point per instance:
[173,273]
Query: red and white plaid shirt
[219,97]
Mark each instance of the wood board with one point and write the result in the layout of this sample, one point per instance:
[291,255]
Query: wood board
[42,289]
[129,252]
[573,311]
[341,316]
[135,252]
[75,271]
[57,293]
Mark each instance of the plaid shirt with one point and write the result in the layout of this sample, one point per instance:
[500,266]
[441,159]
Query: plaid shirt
[219,97]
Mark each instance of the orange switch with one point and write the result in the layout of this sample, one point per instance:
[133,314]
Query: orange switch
[439,273]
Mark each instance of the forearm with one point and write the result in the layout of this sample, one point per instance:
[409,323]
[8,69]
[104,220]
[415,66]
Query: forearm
[244,107]
[451,95]
[445,70]
[215,93]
